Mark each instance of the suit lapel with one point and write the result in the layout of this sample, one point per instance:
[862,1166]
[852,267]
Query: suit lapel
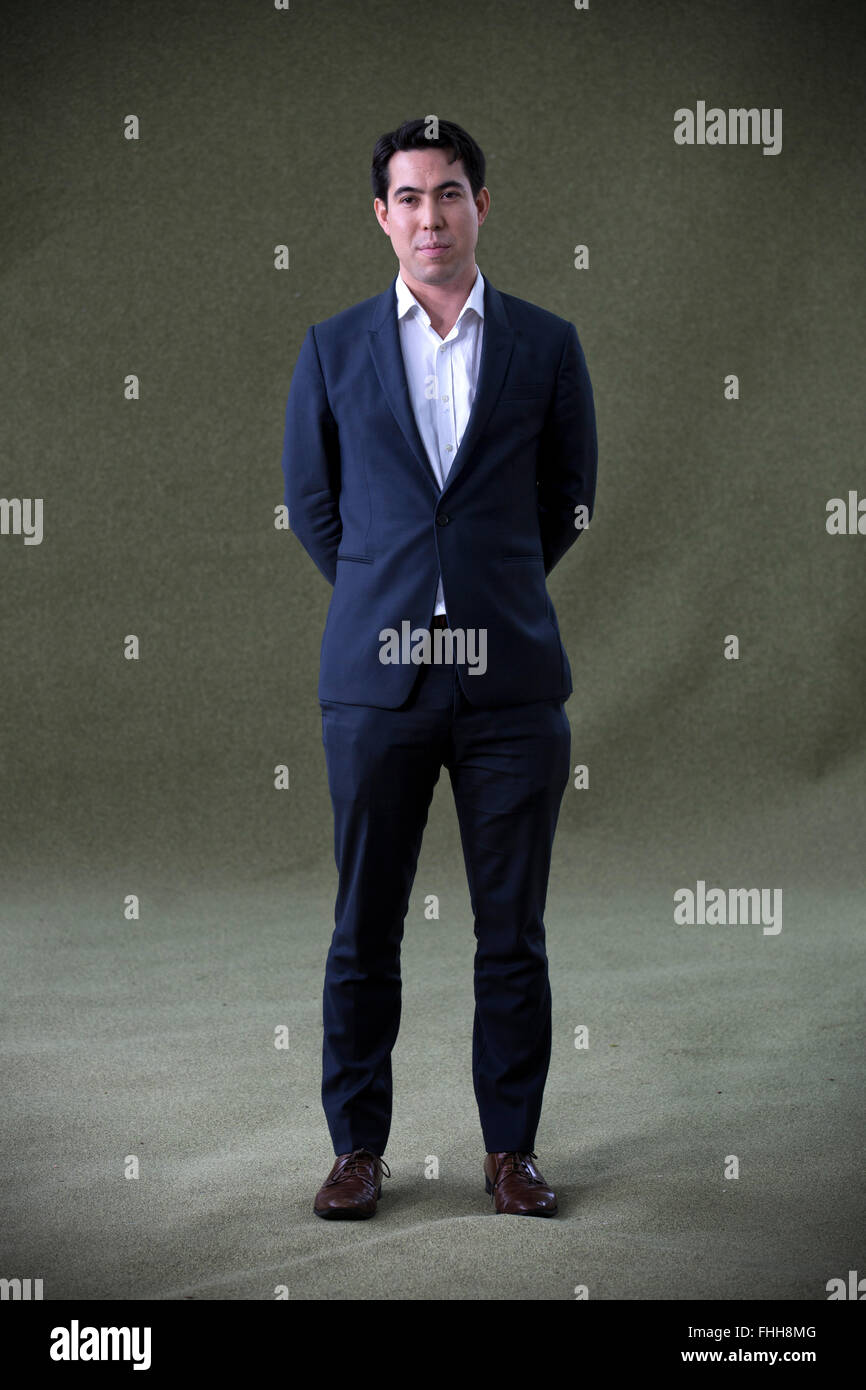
[496,346]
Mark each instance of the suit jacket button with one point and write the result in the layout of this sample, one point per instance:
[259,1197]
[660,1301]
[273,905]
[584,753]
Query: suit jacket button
[442,519]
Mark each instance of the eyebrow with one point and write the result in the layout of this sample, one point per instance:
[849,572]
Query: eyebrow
[407,188]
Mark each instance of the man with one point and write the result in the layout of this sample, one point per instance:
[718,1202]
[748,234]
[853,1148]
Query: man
[440,458]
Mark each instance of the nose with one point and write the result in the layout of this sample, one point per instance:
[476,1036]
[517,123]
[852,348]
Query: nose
[433,217]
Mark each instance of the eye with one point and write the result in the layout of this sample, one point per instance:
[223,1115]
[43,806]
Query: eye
[449,193]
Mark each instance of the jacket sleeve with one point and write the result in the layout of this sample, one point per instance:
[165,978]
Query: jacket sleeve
[311,462]
[568,454]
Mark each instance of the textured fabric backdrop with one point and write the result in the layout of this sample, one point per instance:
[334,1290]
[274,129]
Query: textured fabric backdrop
[157,258]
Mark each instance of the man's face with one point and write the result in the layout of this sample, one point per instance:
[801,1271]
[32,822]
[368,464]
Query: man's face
[430,201]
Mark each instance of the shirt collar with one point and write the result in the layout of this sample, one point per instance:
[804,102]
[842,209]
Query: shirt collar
[406,300]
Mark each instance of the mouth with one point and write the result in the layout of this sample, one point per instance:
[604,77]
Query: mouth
[434,249]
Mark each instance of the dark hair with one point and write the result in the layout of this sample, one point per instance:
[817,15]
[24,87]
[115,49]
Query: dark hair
[410,136]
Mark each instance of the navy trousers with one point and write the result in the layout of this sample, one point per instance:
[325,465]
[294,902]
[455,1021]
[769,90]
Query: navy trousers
[508,769]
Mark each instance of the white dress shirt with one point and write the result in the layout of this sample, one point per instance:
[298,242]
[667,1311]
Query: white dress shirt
[442,374]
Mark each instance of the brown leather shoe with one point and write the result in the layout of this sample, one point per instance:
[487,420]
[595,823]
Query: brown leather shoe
[352,1188]
[517,1187]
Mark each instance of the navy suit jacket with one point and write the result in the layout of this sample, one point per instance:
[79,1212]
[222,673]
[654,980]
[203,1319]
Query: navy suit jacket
[365,504]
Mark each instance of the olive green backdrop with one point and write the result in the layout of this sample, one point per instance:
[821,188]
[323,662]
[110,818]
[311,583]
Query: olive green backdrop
[155,777]
[155,257]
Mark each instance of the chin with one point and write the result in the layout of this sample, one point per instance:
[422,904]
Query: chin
[437,267]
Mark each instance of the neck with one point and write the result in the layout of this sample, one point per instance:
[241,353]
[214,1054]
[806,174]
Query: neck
[442,302]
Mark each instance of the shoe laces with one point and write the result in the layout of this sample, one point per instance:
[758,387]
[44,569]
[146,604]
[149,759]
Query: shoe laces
[352,1166]
[518,1163]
